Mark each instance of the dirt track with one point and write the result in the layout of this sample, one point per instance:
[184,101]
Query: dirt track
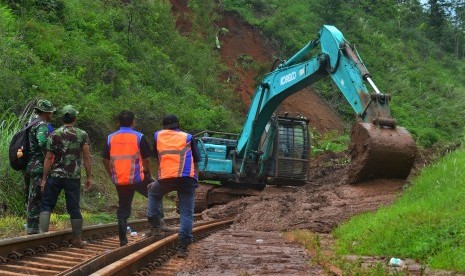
[232,252]
[325,202]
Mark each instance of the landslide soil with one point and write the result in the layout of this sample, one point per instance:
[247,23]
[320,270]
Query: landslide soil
[322,204]
[245,48]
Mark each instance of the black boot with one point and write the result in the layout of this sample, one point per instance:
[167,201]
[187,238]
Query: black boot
[122,229]
[182,248]
[165,228]
[156,227]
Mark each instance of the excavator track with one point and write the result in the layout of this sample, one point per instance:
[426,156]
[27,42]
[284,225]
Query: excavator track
[201,194]
[208,195]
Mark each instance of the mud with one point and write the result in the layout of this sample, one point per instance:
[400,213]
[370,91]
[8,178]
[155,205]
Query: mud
[321,205]
[380,153]
[244,253]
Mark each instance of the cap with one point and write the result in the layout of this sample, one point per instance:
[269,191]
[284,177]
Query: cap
[69,110]
[170,121]
[45,106]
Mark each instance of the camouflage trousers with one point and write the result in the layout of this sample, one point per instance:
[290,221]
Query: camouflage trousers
[33,204]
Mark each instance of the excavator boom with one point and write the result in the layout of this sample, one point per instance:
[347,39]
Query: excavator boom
[376,141]
[275,150]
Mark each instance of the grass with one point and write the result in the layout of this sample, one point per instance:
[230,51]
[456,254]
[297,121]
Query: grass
[322,254]
[13,226]
[330,141]
[11,182]
[426,223]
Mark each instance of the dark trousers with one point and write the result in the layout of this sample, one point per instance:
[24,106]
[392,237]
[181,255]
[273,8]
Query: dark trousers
[72,195]
[185,186]
[33,204]
[125,196]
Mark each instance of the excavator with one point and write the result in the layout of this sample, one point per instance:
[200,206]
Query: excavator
[274,149]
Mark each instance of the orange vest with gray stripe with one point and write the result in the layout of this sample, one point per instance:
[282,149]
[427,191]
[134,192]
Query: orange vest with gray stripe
[174,154]
[125,158]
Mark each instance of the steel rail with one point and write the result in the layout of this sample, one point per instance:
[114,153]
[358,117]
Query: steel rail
[17,246]
[100,261]
[135,261]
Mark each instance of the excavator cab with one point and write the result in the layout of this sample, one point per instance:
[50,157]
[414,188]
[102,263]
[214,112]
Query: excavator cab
[291,152]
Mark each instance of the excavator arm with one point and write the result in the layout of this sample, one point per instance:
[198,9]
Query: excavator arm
[337,59]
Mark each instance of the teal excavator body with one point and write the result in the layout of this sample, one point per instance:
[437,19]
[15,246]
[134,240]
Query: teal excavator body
[275,149]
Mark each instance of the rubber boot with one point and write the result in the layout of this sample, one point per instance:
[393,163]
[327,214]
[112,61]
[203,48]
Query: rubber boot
[165,228]
[122,229]
[156,231]
[44,221]
[181,249]
[76,225]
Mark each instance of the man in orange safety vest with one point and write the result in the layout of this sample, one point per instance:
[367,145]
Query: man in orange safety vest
[177,157]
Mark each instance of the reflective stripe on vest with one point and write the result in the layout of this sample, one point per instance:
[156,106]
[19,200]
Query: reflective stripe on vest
[125,158]
[174,154]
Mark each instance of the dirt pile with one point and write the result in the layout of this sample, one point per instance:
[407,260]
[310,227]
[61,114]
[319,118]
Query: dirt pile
[325,202]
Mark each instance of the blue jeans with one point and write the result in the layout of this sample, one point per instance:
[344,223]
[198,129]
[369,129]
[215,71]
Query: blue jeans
[185,186]
[52,190]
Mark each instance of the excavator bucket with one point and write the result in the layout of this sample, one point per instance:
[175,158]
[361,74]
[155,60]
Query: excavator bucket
[380,153]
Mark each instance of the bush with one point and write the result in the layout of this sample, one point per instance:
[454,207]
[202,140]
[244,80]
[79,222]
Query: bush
[11,182]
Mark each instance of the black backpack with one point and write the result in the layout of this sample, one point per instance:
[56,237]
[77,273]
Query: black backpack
[20,142]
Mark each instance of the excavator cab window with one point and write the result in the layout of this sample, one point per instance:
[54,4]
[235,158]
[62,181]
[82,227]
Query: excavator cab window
[292,149]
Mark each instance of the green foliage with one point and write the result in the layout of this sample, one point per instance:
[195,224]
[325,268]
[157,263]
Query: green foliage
[426,223]
[422,75]
[329,141]
[11,182]
[104,56]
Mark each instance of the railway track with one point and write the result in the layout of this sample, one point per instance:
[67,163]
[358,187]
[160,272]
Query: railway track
[146,260]
[52,254]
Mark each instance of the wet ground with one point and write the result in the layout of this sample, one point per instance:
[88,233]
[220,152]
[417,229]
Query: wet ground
[321,205]
[232,252]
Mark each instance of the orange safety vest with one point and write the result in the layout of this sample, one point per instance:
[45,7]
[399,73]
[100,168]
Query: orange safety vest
[125,158]
[174,154]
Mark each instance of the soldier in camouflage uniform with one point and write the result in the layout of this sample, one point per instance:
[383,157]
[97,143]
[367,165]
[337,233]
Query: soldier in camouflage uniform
[35,166]
[63,160]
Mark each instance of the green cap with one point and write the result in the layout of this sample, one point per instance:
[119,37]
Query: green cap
[69,110]
[44,106]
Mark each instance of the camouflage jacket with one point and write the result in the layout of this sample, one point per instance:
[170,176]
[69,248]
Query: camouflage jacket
[37,148]
[66,144]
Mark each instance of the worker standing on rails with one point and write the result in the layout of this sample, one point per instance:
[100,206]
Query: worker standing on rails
[35,166]
[126,156]
[177,158]
[63,161]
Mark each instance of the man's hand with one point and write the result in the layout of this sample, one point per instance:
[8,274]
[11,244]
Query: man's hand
[42,185]
[88,184]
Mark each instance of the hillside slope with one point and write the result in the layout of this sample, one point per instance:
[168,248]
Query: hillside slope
[427,82]
[104,56]
[248,55]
